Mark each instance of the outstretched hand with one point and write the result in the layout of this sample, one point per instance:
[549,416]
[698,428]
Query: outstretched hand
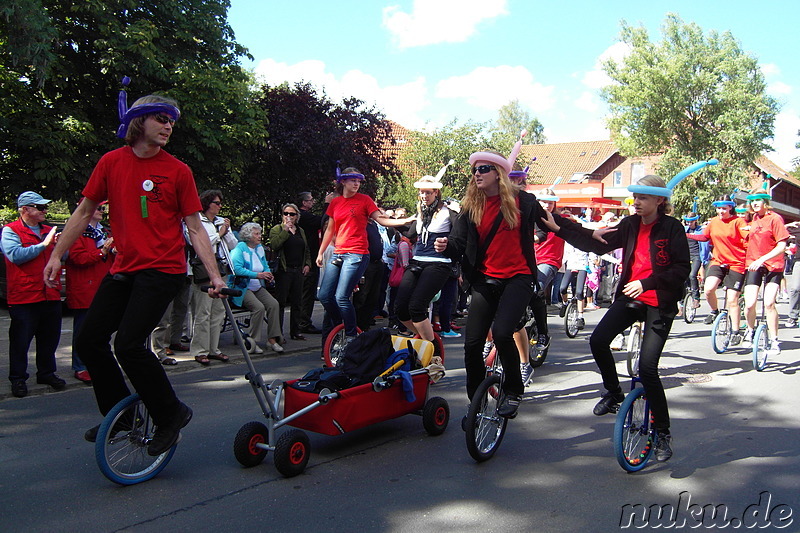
[598,234]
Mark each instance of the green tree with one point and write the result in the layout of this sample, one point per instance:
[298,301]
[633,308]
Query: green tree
[60,67]
[511,120]
[429,151]
[308,134]
[690,97]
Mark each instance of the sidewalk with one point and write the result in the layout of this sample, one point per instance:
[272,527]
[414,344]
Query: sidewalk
[185,361]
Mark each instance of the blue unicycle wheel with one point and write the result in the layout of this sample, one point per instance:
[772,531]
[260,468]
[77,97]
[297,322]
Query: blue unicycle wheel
[121,445]
[634,434]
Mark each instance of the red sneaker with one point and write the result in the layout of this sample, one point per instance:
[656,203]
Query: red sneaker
[84,376]
[436,326]
[454,327]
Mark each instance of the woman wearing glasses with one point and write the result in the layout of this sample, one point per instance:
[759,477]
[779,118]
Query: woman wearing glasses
[347,230]
[288,240]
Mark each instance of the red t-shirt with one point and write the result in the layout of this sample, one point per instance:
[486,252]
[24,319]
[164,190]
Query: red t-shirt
[642,266]
[148,199]
[728,239]
[349,217]
[766,232]
[551,251]
[504,258]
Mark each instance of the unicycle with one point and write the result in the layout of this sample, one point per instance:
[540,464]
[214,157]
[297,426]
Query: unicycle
[690,305]
[635,348]
[483,426]
[634,434]
[721,332]
[333,350]
[571,319]
[761,340]
[122,440]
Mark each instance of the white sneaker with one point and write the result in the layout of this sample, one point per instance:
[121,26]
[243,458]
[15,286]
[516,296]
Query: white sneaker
[774,349]
[617,343]
[256,349]
[277,348]
[747,341]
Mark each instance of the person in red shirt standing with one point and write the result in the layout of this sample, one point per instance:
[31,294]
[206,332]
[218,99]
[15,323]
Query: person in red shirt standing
[88,262]
[766,243]
[152,192]
[347,229]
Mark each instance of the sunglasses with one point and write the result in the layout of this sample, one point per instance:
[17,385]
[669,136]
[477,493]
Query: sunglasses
[217,202]
[289,214]
[39,207]
[163,119]
[483,169]
[102,208]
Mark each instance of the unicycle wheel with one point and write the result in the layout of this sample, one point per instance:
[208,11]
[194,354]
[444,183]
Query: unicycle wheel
[484,427]
[721,332]
[121,445]
[760,347]
[634,435]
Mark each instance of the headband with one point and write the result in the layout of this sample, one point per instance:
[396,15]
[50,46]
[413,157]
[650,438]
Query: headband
[691,219]
[548,198]
[724,203]
[667,191]
[759,196]
[126,115]
[741,210]
[349,175]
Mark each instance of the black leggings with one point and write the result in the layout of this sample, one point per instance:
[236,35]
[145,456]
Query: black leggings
[498,307]
[656,330]
[570,276]
[417,289]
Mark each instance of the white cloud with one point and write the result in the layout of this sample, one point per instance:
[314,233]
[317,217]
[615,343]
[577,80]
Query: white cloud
[588,102]
[439,21]
[493,87]
[401,103]
[597,78]
[787,124]
[779,87]
[770,69]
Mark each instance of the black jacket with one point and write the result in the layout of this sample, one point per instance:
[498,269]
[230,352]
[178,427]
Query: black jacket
[669,255]
[462,244]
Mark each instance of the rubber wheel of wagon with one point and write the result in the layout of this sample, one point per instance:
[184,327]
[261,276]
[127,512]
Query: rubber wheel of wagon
[244,445]
[292,453]
[435,416]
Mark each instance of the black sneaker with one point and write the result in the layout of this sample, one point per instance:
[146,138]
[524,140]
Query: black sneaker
[527,373]
[580,323]
[167,435]
[509,405]
[53,380]
[710,317]
[663,449]
[542,342]
[562,309]
[19,388]
[609,403]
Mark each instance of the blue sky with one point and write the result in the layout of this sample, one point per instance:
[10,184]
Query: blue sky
[427,62]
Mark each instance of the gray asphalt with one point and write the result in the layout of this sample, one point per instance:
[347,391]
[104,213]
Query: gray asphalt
[735,437]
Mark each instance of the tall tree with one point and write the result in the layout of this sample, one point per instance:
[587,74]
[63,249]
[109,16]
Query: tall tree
[511,120]
[308,134]
[60,67]
[690,97]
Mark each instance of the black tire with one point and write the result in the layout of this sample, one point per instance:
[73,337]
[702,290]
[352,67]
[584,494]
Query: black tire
[292,453]
[689,310]
[484,427]
[634,349]
[249,343]
[571,319]
[435,416]
[634,435]
[244,445]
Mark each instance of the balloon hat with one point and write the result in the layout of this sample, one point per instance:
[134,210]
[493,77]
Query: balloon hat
[340,176]
[126,115]
[433,182]
[497,159]
[694,210]
[667,191]
[764,194]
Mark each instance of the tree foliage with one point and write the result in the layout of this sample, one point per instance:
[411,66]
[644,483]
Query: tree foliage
[60,67]
[511,120]
[690,97]
[308,134]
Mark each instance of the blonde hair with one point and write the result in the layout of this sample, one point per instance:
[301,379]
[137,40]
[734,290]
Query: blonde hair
[651,180]
[475,199]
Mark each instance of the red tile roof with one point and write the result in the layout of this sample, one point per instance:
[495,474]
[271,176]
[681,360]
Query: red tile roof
[565,159]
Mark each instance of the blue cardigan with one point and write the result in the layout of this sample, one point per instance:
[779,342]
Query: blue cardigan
[242,269]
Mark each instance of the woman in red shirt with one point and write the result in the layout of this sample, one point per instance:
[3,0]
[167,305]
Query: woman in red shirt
[347,230]
[766,243]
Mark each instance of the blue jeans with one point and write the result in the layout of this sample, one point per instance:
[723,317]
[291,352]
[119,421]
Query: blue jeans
[336,291]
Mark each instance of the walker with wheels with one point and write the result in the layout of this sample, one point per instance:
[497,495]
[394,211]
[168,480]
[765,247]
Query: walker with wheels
[334,412]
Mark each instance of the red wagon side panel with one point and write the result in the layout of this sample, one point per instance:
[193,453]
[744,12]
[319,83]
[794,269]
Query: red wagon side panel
[356,408]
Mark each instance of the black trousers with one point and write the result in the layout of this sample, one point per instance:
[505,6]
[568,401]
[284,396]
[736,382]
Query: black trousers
[367,296]
[657,325]
[132,306]
[500,308]
[417,289]
[289,288]
[309,296]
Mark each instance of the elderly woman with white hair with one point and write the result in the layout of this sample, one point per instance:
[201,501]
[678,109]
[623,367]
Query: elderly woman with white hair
[251,271]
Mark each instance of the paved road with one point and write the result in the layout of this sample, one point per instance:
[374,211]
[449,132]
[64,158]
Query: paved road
[736,436]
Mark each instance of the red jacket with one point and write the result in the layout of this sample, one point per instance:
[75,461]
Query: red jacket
[86,268]
[25,282]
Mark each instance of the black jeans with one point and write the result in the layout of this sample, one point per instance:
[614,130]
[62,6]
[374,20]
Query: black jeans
[132,306]
[309,296]
[500,308]
[694,284]
[417,289]
[41,320]
[289,286]
[657,325]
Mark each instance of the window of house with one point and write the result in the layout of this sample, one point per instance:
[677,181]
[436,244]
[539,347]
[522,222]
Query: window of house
[577,177]
[637,172]
[617,179]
